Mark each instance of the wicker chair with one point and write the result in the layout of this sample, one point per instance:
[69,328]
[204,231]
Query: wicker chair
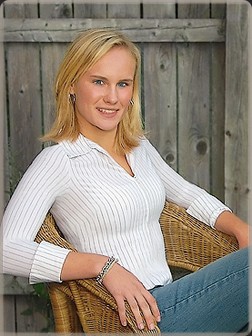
[84,305]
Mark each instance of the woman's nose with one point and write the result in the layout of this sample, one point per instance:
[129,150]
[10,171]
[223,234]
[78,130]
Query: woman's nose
[111,96]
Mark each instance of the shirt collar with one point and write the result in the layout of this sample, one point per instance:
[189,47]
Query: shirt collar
[79,147]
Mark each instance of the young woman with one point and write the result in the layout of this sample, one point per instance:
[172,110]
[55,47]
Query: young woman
[106,186]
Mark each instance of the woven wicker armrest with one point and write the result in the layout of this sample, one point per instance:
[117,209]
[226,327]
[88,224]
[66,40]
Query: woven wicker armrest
[191,244]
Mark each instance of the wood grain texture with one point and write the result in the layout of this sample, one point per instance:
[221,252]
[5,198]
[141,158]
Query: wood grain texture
[236,112]
[139,30]
[194,96]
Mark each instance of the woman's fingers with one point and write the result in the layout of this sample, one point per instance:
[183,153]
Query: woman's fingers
[153,305]
[138,303]
[147,304]
[134,305]
[121,310]
[124,286]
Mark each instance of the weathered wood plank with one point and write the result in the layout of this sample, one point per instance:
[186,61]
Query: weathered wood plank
[139,30]
[217,176]
[160,104]
[60,9]
[193,10]
[15,9]
[236,124]
[159,10]
[217,115]
[24,105]
[16,285]
[9,313]
[194,104]
[51,56]
[218,10]
[123,10]
[29,318]
[193,113]
[89,10]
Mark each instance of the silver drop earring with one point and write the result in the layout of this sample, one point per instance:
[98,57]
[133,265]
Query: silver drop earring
[72,98]
[132,102]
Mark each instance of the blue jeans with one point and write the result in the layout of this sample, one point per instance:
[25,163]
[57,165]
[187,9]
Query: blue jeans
[213,299]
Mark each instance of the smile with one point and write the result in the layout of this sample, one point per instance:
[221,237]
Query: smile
[107,111]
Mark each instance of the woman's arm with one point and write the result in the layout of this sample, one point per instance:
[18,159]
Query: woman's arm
[197,201]
[229,223]
[44,180]
[122,285]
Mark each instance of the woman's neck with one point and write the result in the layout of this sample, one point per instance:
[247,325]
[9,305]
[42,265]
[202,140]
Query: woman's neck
[105,139]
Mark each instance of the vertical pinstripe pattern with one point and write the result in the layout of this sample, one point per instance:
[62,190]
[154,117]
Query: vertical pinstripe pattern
[100,208]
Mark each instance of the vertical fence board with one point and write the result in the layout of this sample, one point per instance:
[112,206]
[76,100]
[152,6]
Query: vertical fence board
[9,314]
[25,105]
[158,10]
[56,10]
[218,11]
[236,125]
[118,10]
[160,98]
[193,113]
[51,56]
[13,9]
[194,103]
[193,10]
[159,88]
[217,58]
[90,10]
[20,10]
[29,319]
[217,115]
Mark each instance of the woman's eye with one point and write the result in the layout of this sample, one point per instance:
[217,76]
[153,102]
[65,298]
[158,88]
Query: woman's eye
[122,84]
[98,81]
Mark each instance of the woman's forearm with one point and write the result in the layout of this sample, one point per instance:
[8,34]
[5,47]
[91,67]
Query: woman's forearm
[82,266]
[231,224]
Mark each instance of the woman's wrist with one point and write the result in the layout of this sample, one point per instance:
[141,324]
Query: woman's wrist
[106,268]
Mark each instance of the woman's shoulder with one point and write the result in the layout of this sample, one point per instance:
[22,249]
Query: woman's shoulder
[144,142]
[52,150]
[53,154]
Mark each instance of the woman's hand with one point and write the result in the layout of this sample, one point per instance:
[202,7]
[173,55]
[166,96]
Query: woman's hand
[124,286]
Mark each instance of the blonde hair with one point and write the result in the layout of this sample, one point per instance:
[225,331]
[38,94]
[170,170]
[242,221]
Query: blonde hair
[82,54]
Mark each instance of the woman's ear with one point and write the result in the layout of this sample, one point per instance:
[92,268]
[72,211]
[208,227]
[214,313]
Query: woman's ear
[71,91]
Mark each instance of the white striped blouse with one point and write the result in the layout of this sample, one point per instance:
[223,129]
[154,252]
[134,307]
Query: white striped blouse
[99,208]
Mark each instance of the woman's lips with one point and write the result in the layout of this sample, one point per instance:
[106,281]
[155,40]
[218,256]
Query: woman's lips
[108,112]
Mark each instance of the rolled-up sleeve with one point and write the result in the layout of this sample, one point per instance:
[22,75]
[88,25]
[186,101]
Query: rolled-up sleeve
[45,179]
[47,263]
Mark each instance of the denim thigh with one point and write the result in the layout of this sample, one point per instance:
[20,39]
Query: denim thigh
[213,299]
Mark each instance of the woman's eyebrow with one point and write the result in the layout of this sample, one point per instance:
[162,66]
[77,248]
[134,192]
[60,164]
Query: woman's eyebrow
[104,78]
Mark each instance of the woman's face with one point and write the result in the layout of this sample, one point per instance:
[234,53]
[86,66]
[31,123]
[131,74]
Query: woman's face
[104,92]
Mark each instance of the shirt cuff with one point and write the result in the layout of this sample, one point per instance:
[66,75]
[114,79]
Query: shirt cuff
[207,209]
[48,263]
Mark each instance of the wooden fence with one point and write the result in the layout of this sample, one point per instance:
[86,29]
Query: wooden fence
[194,97]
